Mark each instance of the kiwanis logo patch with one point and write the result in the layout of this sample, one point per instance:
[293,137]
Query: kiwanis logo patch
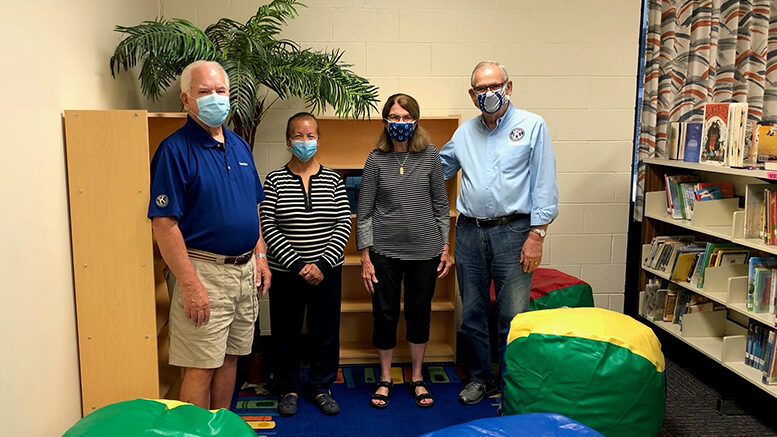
[162,200]
[516,134]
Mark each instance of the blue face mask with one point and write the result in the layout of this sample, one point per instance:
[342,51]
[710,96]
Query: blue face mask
[213,109]
[491,101]
[400,131]
[304,150]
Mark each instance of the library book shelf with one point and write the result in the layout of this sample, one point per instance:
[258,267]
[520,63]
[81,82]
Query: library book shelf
[121,296]
[720,335]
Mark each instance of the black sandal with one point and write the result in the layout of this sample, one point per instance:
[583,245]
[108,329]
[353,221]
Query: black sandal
[383,398]
[287,406]
[412,386]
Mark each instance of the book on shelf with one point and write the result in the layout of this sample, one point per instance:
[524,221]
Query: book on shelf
[649,298]
[713,190]
[709,259]
[669,304]
[758,353]
[756,264]
[737,128]
[723,134]
[692,144]
[677,196]
[765,141]
[672,139]
[755,209]
[751,147]
[770,368]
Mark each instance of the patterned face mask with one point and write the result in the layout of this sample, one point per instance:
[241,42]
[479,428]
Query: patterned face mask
[400,131]
[491,101]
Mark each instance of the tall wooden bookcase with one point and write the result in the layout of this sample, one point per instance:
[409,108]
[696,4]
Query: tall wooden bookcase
[120,292]
[344,146]
[719,335]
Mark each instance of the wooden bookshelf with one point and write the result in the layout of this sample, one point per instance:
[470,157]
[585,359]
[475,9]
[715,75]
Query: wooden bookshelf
[345,146]
[121,298]
[718,335]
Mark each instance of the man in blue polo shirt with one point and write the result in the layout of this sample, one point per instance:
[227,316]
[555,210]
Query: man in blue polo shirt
[205,193]
[508,198]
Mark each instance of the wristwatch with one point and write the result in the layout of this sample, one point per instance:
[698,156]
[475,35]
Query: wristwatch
[539,231]
[260,255]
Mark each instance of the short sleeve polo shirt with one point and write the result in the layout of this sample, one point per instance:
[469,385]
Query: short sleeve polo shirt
[213,189]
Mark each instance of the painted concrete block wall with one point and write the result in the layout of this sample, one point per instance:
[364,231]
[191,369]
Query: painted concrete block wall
[572,62]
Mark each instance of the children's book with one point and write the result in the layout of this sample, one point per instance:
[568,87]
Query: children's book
[715,134]
[756,262]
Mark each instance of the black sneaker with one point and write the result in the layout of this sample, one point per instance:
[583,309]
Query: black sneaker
[474,392]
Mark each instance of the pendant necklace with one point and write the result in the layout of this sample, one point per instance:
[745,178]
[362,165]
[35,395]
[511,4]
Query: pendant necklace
[402,165]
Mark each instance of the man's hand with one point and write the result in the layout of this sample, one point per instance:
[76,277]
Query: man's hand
[312,274]
[195,302]
[368,272]
[445,262]
[263,276]
[531,252]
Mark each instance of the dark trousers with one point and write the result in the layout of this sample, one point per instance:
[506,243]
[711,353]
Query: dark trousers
[289,296]
[419,278]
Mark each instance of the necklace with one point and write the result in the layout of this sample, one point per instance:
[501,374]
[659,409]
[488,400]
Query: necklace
[402,165]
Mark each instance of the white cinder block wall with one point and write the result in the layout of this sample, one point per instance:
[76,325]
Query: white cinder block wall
[574,62]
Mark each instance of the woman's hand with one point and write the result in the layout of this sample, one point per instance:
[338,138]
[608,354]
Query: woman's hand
[312,274]
[368,271]
[445,262]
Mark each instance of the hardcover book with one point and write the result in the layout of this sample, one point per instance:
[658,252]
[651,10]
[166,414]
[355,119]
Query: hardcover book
[715,134]
[692,145]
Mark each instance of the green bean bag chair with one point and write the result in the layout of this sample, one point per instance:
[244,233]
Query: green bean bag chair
[146,417]
[598,367]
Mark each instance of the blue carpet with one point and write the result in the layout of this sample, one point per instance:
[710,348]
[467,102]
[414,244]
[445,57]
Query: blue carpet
[352,391]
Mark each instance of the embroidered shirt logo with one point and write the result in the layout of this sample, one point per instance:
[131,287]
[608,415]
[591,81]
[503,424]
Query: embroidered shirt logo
[244,164]
[162,200]
[516,134]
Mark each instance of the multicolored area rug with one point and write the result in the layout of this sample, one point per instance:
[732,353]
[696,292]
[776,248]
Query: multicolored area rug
[352,391]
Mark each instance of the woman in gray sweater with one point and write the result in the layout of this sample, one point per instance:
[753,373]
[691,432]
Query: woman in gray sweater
[402,226]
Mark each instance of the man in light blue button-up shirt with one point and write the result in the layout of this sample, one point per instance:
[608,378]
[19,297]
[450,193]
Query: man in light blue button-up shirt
[508,198]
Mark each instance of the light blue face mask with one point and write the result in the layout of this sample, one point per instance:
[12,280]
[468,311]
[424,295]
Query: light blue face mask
[304,150]
[213,109]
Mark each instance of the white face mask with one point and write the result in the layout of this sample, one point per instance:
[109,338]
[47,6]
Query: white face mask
[491,101]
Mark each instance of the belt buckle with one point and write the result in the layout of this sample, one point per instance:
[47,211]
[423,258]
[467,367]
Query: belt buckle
[479,220]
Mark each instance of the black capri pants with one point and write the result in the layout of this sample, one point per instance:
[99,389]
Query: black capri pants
[420,278]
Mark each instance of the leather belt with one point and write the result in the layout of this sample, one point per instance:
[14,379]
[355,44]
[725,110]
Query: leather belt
[221,259]
[495,221]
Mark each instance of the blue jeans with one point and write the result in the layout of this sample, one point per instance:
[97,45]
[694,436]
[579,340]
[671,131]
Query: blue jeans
[484,254]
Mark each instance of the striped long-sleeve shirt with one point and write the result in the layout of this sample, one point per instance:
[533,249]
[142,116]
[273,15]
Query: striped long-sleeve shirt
[405,214]
[305,228]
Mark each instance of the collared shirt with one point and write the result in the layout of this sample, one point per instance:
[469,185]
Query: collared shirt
[213,189]
[510,170]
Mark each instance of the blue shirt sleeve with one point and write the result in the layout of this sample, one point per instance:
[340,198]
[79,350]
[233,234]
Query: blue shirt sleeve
[544,190]
[450,165]
[168,183]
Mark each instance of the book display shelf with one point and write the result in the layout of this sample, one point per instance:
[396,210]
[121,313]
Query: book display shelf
[720,335]
[345,146]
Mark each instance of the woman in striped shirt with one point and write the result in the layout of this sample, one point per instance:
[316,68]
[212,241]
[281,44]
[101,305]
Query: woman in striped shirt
[402,226]
[306,222]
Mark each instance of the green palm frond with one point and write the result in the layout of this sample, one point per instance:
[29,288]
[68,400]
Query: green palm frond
[164,47]
[252,54]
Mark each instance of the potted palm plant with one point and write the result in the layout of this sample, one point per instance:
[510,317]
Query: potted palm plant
[253,56]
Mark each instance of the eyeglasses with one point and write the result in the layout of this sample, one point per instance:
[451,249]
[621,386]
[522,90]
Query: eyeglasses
[486,88]
[395,118]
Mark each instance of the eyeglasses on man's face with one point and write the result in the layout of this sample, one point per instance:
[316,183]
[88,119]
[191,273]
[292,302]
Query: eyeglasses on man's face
[494,87]
[396,118]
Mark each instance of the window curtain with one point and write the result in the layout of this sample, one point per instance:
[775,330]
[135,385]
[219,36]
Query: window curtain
[701,51]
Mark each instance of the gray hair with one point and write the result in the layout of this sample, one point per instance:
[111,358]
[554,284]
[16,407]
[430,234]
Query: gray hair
[482,64]
[186,75]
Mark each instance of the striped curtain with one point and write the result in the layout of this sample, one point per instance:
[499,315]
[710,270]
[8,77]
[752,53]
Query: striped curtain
[701,51]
